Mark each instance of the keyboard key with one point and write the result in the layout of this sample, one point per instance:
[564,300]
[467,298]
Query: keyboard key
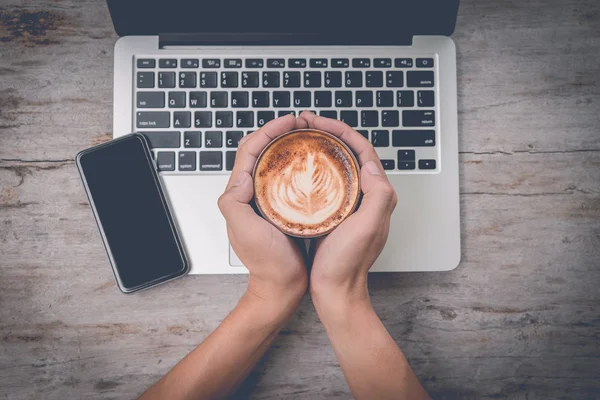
[218,99]
[176,99]
[297,63]
[406,165]
[229,79]
[394,78]
[406,155]
[165,161]
[419,78]
[340,62]
[286,112]
[230,160]
[233,63]
[198,99]
[187,160]
[213,139]
[146,63]
[312,79]
[364,98]
[166,79]
[224,119]
[343,98]
[270,79]
[239,99]
[425,98]
[190,63]
[361,62]
[187,79]
[353,78]
[302,99]
[192,139]
[232,138]
[322,99]
[318,63]
[254,63]
[374,79]
[363,132]
[382,62]
[369,119]
[208,79]
[260,99]
[245,119]
[211,161]
[262,117]
[211,63]
[380,138]
[403,62]
[406,98]
[281,99]
[182,119]
[388,164]
[328,114]
[250,79]
[385,98]
[203,119]
[413,138]
[424,62]
[333,79]
[350,118]
[390,118]
[167,63]
[418,118]
[162,140]
[145,80]
[153,119]
[150,99]
[426,164]
[275,63]
[291,79]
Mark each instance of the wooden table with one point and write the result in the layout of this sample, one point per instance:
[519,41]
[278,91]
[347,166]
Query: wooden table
[519,318]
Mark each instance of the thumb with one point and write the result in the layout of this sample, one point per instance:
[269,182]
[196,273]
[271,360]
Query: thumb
[379,195]
[237,196]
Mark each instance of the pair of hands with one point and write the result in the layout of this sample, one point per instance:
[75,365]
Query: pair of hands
[340,260]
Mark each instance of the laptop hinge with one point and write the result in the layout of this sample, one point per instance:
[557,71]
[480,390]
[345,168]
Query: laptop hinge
[280,39]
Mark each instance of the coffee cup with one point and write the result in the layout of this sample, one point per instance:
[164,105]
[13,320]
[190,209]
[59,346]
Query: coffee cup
[306,183]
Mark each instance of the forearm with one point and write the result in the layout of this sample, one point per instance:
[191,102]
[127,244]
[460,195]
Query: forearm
[219,364]
[373,364]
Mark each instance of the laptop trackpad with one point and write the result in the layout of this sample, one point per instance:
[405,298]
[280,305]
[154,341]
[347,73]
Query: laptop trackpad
[234,261]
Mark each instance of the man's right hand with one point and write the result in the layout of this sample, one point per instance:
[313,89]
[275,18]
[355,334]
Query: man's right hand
[343,258]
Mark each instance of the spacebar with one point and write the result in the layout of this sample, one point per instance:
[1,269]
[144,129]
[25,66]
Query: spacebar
[163,140]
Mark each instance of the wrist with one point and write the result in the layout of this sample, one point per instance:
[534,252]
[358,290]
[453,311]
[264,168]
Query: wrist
[276,301]
[340,300]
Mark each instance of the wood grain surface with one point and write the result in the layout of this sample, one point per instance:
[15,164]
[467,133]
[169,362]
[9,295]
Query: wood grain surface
[518,319]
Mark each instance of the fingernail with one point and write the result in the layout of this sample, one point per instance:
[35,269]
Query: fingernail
[241,178]
[372,168]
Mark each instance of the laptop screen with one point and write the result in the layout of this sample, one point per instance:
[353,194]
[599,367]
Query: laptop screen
[373,19]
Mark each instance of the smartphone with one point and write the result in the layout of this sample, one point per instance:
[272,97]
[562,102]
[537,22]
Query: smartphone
[132,213]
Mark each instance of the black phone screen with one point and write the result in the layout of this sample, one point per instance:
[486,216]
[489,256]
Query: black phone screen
[132,213]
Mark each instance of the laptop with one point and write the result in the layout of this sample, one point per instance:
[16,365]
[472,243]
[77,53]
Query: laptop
[196,76]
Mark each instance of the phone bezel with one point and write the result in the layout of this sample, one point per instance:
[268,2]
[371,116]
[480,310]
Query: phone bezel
[147,152]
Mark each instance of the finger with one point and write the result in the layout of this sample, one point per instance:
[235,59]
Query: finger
[360,146]
[251,148]
[379,198]
[233,203]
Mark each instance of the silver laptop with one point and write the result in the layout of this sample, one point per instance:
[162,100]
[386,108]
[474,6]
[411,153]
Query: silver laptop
[196,76]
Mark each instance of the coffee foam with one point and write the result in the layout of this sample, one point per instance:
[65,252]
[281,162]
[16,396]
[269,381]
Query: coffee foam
[306,183]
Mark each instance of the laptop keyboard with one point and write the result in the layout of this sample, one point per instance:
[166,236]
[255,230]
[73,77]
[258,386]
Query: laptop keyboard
[194,111]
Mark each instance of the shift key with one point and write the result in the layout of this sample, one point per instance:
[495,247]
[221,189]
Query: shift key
[163,140]
[153,119]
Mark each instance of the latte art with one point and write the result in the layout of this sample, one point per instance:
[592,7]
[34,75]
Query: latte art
[308,191]
[306,183]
